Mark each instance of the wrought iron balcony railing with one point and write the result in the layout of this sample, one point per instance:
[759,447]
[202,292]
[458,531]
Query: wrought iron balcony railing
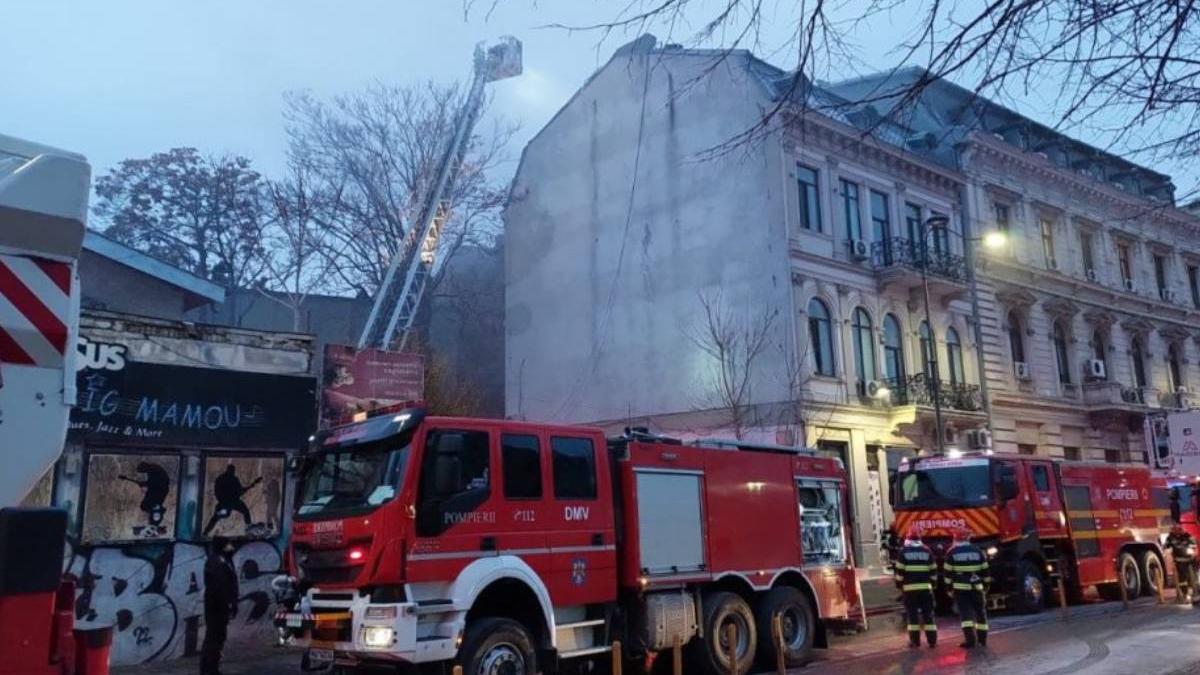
[903,252]
[917,390]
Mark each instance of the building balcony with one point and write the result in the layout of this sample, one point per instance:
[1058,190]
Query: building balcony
[1113,401]
[918,390]
[899,262]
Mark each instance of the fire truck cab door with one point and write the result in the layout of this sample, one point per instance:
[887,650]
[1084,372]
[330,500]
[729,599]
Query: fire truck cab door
[580,529]
[1049,519]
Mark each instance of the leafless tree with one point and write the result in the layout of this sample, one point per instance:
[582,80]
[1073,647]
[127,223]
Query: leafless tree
[1124,72]
[734,341]
[378,150]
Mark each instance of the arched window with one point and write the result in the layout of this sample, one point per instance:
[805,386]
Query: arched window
[1016,341]
[1138,354]
[927,357]
[893,349]
[1100,351]
[1174,369]
[954,357]
[1061,355]
[820,337]
[864,349]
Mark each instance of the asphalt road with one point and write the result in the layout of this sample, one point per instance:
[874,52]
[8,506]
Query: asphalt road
[1098,639]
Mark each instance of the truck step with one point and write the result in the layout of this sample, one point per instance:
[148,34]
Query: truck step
[580,624]
[589,651]
[434,607]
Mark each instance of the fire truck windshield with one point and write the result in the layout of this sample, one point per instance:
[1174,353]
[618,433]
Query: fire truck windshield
[352,480]
[964,484]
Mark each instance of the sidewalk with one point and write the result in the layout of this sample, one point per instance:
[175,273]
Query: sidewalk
[243,661]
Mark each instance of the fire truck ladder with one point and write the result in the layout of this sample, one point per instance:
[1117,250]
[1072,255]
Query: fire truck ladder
[418,251]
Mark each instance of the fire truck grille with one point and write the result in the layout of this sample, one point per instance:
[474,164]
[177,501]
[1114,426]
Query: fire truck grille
[326,567]
[331,575]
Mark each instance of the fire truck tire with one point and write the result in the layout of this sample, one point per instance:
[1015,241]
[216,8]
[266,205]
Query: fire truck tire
[796,618]
[722,609]
[1030,595]
[1129,574]
[1152,569]
[495,645]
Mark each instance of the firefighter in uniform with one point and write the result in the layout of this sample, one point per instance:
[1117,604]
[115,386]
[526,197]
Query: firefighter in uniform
[1183,552]
[966,570]
[915,572]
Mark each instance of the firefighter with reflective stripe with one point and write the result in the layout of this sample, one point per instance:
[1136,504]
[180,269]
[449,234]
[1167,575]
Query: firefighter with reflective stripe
[1183,552]
[966,571]
[915,572]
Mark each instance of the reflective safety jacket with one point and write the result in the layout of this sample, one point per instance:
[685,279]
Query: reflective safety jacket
[966,568]
[915,568]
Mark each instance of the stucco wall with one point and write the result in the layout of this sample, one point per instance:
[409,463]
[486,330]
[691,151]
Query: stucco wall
[615,225]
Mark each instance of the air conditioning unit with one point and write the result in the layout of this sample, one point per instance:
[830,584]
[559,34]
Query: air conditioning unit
[1021,369]
[979,439]
[1091,275]
[859,249]
[876,389]
[1096,369]
[1167,294]
[1130,286]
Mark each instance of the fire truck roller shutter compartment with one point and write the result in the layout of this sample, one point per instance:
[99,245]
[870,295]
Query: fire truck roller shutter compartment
[670,522]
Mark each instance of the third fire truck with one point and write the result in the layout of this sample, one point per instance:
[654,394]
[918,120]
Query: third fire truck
[511,547]
[1040,519]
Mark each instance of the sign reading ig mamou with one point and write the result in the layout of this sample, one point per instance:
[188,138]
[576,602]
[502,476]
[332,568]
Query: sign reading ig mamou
[154,404]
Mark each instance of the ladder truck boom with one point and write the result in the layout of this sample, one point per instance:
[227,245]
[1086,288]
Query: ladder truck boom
[401,296]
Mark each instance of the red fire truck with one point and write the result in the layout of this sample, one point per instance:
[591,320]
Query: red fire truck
[509,547]
[1038,519]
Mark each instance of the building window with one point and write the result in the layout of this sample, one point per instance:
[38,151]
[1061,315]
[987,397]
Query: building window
[1113,456]
[880,219]
[1100,351]
[851,208]
[941,236]
[912,222]
[1160,275]
[810,202]
[820,336]
[893,349]
[954,357]
[1016,341]
[1062,355]
[1026,449]
[1194,284]
[1125,263]
[1071,454]
[1000,211]
[864,349]
[927,348]
[1047,228]
[1174,369]
[1138,355]
[1085,249]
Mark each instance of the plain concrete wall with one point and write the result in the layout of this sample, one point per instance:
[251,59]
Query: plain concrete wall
[609,241]
[109,285]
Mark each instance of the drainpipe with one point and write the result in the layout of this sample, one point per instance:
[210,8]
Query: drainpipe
[970,243]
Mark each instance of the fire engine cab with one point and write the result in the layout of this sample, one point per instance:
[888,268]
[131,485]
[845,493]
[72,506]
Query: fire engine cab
[508,546]
[1039,520]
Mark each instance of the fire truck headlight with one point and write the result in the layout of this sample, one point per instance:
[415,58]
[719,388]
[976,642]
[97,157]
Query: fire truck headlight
[378,637]
[992,551]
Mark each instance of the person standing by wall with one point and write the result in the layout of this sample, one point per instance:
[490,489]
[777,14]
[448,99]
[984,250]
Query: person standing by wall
[220,603]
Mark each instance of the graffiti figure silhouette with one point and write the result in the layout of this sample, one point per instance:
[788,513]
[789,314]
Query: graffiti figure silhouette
[228,490]
[156,486]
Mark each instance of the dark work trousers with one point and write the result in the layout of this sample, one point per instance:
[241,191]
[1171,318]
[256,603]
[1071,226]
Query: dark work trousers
[216,628]
[972,611]
[918,611]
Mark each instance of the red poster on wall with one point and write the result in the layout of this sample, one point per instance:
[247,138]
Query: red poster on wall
[355,381]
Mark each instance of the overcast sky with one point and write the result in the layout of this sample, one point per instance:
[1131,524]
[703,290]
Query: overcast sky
[126,78]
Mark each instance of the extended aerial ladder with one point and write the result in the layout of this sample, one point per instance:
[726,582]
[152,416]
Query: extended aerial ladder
[416,255]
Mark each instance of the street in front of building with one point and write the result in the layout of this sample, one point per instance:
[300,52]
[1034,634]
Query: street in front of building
[1096,639]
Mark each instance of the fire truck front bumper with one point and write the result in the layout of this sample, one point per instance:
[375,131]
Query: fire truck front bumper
[354,630]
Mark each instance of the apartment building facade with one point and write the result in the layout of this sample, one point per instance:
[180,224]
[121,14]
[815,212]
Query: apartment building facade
[628,216]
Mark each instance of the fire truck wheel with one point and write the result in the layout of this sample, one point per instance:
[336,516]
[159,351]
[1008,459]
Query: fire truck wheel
[1031,588]
[1130,575]
[1152,572]
[796,619]
[497,646]
[722,610]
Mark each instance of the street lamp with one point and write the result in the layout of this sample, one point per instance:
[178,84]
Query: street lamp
[994,240]
[933,224]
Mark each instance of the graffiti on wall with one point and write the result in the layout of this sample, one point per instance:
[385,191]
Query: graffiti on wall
[130,497]
[153,597]
[242,496]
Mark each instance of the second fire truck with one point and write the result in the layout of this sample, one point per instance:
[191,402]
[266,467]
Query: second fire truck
[1039,520]
[509,547]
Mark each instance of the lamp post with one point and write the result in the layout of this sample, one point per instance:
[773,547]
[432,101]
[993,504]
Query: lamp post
[932,224]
